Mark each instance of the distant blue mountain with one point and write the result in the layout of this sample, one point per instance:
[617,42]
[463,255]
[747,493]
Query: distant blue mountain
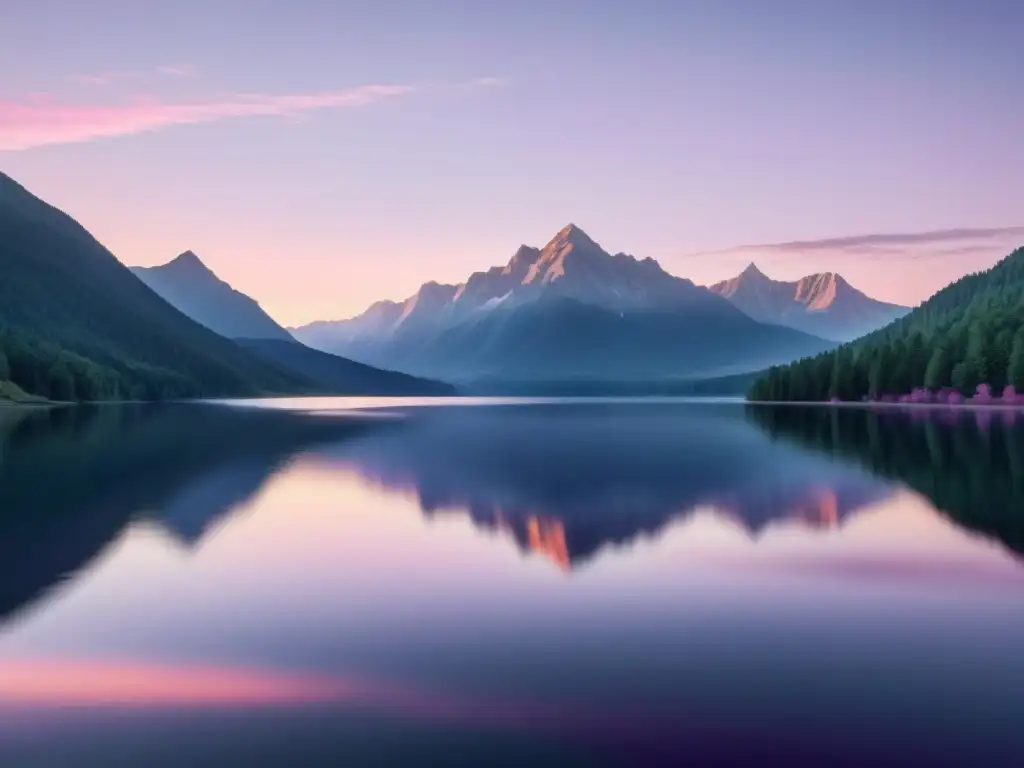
[189,285]
[192,288]
[823,304]
[76,324]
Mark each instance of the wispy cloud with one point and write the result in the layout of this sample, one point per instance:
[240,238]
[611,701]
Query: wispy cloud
[178,70]
[934,237]
[113,77]
[38,120]
[34,123]
[893,246]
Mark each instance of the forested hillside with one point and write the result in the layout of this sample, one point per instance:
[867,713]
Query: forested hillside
[968,335]
[47,370]
[76,324]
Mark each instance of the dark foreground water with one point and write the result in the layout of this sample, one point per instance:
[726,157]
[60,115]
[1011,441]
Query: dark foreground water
[517,584]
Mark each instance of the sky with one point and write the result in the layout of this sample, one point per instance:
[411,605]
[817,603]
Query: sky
[325,154]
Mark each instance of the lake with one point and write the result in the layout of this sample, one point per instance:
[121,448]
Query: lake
[510,582]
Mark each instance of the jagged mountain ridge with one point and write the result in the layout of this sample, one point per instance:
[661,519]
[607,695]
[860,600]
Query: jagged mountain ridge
[823,304]
[567,309]
[571,265]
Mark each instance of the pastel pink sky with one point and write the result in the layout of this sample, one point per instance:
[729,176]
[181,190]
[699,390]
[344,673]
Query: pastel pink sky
[323,157]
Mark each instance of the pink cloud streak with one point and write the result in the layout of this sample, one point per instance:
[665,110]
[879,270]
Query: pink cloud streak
[43,683]
[28,124]
[37,686]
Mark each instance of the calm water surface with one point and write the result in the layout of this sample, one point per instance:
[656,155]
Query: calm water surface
[543,583]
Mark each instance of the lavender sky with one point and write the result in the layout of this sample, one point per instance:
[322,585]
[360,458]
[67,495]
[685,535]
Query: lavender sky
[320,155]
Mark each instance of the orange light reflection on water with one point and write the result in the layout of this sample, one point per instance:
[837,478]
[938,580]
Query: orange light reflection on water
[42,684]
[98,683]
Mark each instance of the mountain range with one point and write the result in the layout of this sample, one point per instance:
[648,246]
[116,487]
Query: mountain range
[567,310]
[823,304]
[76,324]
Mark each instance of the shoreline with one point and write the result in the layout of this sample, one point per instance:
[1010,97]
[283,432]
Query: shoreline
[8,404]
[11,404]
[966,406]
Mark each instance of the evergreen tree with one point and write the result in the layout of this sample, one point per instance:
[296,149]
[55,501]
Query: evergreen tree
[999,357]
[900,379]
[61,385]
[966,377]
[841,370]
[978,349]
[939,369]
[1015,369]
[918,356]
[877,374]
[859,375]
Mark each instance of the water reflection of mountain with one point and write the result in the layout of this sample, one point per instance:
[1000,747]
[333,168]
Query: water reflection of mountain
[969,464]
[191,512]
[568,480]
[72,479]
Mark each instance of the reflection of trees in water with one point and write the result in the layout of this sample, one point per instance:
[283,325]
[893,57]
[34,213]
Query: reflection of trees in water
[71,479]
[970,466]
